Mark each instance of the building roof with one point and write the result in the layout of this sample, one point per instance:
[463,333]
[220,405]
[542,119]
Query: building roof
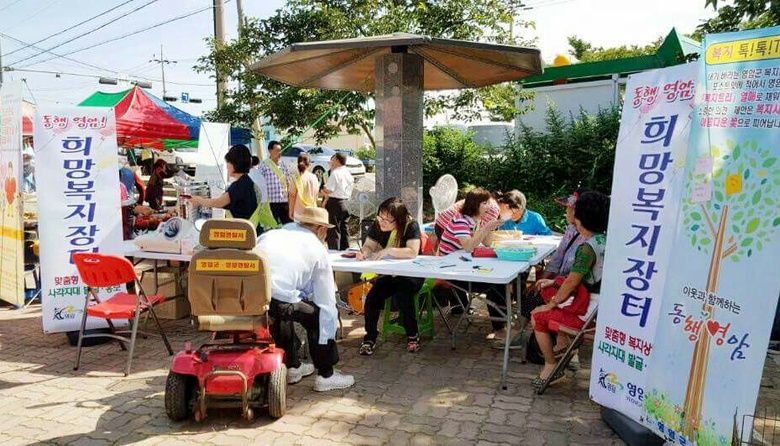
[674,50]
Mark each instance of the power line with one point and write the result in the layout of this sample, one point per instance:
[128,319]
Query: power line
[70,28]
[9,5]
[183,16]
[89,65]
[90,31]
[33,15]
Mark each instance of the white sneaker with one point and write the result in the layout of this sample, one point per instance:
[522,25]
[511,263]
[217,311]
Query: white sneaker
[336,381]
[296,374]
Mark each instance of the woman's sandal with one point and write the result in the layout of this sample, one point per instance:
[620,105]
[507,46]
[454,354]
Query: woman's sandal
[539,381]
[412,344]
[366,348]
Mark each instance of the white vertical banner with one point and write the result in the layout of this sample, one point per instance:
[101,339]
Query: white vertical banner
[213,144]
[79,205]
[646,190]
[11,207]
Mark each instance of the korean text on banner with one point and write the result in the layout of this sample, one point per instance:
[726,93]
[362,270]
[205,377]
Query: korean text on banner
[11,207]
[79,207]
[650,154]
[720,298]
[213,144]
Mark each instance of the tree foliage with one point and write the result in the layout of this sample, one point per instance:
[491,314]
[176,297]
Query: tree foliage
[739,15]
[294,109]
[586,52]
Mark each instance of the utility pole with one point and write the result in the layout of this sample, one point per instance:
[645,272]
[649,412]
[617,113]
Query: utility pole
[219,40]
[2,69]
[240,9]
[162,61]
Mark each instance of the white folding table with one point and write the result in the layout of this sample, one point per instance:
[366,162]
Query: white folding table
[453,268]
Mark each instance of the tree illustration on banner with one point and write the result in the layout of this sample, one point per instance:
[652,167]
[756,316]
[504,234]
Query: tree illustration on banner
[730,212]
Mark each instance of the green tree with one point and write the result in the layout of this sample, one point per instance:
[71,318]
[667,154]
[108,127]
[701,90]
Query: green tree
[586,52]
[739,15]
[294,109]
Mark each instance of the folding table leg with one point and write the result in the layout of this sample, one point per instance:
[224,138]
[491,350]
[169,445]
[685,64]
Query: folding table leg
[508,337]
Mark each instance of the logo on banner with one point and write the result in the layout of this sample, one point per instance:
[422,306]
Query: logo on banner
[65,313]
[609,381]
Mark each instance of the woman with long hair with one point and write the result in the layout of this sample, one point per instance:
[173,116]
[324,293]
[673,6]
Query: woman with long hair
[394,234]
[305,187]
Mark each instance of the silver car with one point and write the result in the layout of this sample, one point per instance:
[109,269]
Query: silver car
[320,159]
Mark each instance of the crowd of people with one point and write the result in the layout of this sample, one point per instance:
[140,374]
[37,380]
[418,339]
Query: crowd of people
[312,219]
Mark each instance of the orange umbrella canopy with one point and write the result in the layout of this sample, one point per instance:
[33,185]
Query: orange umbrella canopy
[448,64]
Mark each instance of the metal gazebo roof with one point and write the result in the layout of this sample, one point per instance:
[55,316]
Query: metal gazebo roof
[348,64]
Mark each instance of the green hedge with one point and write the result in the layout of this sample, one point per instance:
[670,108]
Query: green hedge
[576,150]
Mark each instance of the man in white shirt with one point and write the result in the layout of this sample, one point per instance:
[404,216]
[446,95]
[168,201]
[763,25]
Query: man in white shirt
[337,191]
[303,291]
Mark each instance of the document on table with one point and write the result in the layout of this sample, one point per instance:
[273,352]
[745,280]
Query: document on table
[434,262]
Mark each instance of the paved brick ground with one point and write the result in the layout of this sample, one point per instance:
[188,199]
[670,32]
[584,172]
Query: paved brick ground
[436,396]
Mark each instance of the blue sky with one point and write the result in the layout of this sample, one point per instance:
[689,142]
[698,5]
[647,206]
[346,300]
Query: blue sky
[609,23]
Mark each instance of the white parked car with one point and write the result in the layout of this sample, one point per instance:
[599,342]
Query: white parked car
[320,159]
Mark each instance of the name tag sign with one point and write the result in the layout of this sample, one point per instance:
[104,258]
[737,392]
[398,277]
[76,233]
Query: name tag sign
[228,235]
[226,265]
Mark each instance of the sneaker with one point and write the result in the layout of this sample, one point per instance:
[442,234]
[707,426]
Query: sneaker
[774,348]
[297,373]
[334,382]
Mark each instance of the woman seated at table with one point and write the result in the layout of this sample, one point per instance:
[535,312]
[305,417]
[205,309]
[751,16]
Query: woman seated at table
[240,198]
[394,234]
[569,304]
[521,218]
[468,232]
[444,218]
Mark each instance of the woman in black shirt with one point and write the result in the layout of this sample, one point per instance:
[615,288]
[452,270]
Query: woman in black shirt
[394,234]
[239,198]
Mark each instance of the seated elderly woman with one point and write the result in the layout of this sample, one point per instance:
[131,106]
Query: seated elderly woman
[567,302]
[521,218]
[394,234]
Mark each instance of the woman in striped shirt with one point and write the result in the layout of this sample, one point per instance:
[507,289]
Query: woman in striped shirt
[468,230]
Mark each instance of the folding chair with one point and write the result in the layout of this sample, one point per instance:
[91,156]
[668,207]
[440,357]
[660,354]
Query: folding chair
[100,271]
[586,333]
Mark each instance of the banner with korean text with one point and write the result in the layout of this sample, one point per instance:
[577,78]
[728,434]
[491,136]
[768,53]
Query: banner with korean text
[79,205]
[720,294]
[648,174]
[11,207]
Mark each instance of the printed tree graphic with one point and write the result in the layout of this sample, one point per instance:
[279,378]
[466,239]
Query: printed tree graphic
[730,211]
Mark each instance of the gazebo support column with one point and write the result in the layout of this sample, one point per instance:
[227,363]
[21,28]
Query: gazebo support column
[399,128]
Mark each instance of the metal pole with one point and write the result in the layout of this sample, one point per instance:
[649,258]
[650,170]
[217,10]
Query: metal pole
[2,69]
[162,65]
[219,39]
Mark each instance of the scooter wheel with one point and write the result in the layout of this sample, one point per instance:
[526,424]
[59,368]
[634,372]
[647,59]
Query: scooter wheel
[277,392]
[249,414]
[178,392]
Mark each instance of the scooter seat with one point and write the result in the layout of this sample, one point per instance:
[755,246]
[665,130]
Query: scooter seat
[230,323]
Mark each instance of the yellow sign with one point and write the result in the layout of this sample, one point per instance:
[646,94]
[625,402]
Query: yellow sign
[227,235]
[761,48]
[227,265]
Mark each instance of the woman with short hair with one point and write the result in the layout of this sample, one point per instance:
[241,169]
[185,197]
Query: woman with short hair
[569,304]
[240,198]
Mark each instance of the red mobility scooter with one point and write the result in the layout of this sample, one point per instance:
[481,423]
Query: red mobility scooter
[229,291]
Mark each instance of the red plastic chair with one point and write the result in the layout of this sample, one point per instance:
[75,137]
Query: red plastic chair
[99,271]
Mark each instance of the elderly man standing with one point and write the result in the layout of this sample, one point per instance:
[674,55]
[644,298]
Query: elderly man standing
[337,191]
[303,291]
[277,177]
